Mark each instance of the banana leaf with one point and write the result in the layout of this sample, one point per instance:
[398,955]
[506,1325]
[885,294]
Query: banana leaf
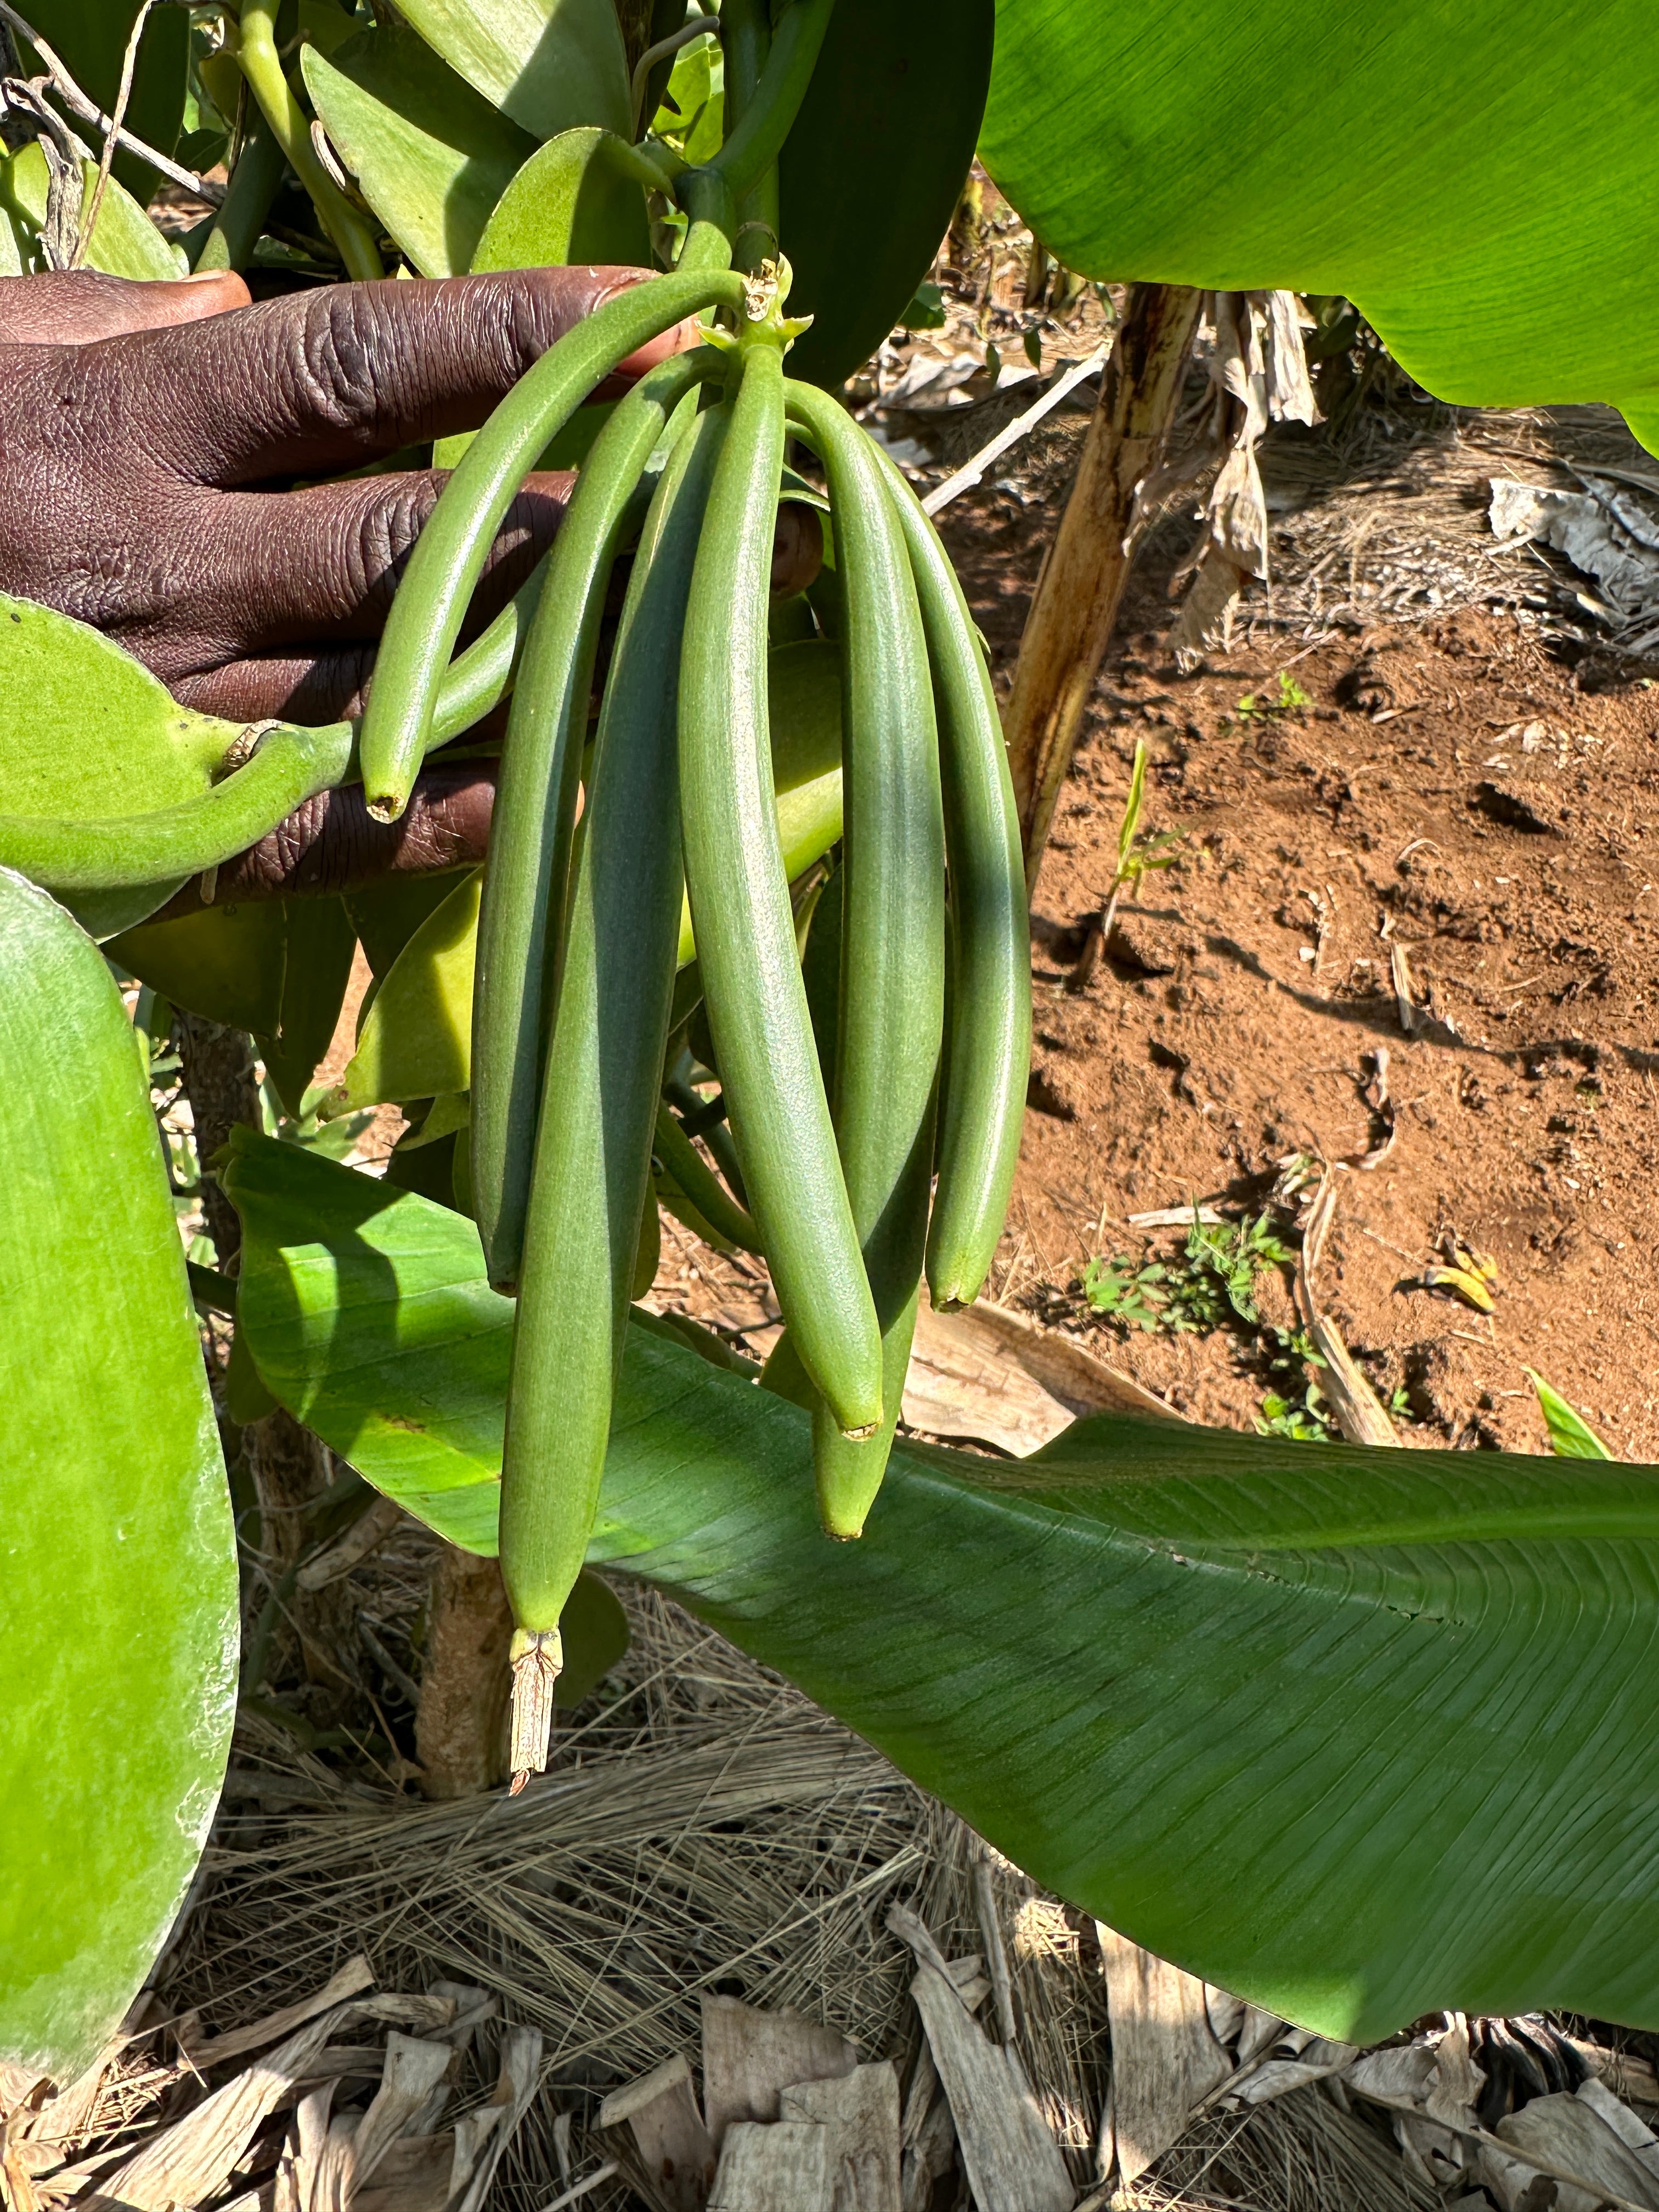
[873,169]
[118,1566]
[1473,177]
[1357,1735]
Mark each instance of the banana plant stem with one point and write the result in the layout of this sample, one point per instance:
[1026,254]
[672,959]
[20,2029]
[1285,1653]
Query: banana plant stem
[262,66]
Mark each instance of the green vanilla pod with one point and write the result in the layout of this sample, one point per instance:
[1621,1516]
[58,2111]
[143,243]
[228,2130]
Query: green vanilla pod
[594,1139]
[520,922]
[700,1186]
[674,1200]
[284,766]
[889,1022]
[715,1133]
[449,555]
[989,1051]
[477,680]
[744,925]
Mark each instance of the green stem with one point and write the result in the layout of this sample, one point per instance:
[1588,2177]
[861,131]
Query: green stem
[288,766]
[234,231]
[745,33]
[752,148]
[262,66]
[746,37]
[210,1290]
[707,199]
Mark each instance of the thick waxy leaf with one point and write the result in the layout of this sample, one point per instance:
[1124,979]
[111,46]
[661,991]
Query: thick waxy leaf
[873,166]
[124,241]
[550,64]
[118,1567]
[90,37]
[572,201]
[387,914]
[1458,172]
[417,1038]
[226,964]
[1357,1735]
[432,155]
[86,732]
[692,115]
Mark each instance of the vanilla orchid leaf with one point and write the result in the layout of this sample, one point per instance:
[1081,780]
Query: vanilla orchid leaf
[117,1558]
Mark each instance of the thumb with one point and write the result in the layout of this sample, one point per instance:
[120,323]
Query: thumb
[73,307]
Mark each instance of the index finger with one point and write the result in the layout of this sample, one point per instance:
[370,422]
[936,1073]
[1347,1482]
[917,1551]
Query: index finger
[325,380]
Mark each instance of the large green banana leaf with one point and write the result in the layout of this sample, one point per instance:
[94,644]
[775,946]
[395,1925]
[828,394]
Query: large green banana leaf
[118,1565]
[1357,1735]
[1482,178]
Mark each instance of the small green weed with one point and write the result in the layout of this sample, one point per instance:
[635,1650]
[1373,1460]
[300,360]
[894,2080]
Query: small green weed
[1303,1420]
[1138,856]
[1124,1293]
[1213,1280]
[1258,707]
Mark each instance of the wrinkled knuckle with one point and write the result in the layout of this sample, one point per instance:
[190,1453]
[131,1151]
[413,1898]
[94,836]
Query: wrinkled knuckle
[344,342]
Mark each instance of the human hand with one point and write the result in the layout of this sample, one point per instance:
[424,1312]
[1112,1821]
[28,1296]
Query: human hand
[142,426]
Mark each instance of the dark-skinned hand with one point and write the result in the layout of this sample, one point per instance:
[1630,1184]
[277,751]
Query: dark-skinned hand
[145,429]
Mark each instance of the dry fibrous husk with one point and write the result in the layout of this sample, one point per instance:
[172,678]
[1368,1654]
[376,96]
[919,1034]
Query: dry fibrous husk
[704,1834]
[1258,376]
[708,1848]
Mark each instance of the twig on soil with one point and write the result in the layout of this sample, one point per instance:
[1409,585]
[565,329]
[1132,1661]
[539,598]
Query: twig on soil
[972,473]
[1359,1414]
